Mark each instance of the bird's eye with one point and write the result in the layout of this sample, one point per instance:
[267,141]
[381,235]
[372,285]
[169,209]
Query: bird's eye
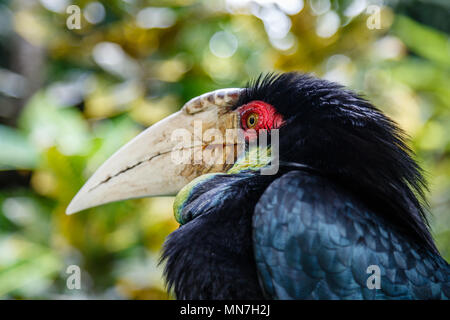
[252,120]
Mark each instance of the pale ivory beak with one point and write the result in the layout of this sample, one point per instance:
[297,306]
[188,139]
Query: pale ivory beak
[144,167]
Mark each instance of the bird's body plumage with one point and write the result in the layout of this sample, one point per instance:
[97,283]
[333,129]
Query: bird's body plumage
[305,238]
[321,242]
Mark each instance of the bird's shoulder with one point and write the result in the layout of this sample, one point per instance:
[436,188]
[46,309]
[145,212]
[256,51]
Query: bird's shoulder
[315,240]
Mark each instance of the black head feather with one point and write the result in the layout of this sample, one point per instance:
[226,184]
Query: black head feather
[344,137]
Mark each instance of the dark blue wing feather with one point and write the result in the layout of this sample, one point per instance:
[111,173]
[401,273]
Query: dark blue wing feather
[314,240]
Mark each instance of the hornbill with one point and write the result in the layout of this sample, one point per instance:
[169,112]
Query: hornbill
[347,196]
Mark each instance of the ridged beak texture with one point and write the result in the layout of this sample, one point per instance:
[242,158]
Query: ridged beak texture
[145,166]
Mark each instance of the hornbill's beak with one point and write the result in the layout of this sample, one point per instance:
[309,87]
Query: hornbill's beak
[148,166]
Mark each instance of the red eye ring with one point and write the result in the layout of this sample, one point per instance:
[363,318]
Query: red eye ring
[265,116]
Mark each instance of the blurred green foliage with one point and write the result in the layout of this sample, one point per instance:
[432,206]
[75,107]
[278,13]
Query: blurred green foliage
[134,62]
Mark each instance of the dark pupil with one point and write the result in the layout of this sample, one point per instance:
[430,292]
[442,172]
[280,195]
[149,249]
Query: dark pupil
[252,120]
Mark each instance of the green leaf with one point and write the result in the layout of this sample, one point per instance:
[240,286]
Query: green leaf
[424,41]
[31,263]
[49,124]
[16,152]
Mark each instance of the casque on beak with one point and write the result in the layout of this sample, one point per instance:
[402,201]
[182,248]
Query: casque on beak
[145,166]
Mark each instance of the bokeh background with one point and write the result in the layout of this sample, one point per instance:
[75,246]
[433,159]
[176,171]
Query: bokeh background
[70,98]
